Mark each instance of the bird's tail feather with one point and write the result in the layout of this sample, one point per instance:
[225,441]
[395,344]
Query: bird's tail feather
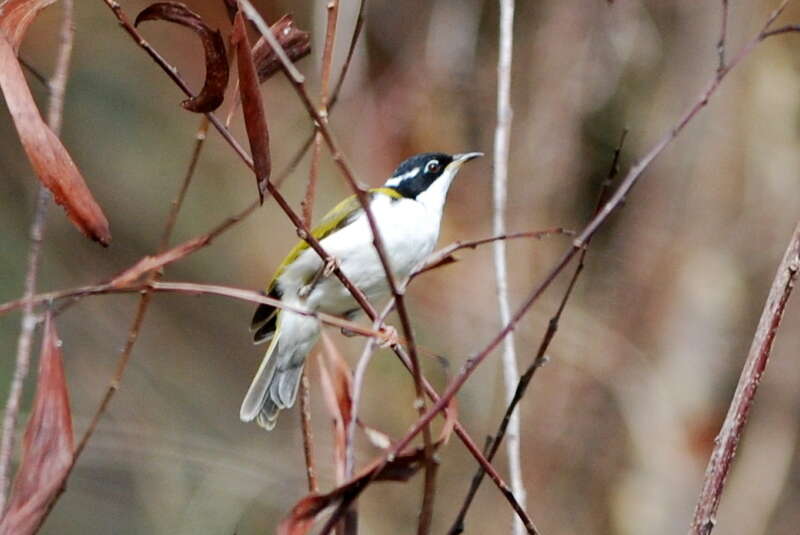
[278,378]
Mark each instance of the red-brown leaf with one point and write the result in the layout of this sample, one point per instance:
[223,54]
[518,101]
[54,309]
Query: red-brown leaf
[47,447]
[211,96]
[16,16]
[295,42]
[255,120]
[48,157]
[303,514]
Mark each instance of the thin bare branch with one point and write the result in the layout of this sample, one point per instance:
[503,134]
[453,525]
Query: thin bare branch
[502,141]
[446,255]
[308,437]
[190,288]
[721,460]
[302,231]
[327,63]
[172,72]
[361,194]
[358,384]
[350,51]
[308,208]
[144,303]
[493,445]
[57,86]
[41,78]
[723,33]
[616,200]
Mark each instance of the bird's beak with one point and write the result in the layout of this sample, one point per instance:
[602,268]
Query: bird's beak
[461,159]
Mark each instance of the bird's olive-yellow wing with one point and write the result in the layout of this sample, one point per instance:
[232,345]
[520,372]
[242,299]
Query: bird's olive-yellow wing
[265,318]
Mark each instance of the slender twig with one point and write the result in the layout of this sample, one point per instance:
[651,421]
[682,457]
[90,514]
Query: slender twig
[41,78]
[190,288]
[303,232]
[444,256]
[57,86]
[308,208]
[358,382]
[350,51]
[172,72]
[719,464]
[789,28]
[141,310]
[502,140]
[616,200]
[320,122]
[327,62]
[723,33]
[308,437]
[297,81]
[540,358]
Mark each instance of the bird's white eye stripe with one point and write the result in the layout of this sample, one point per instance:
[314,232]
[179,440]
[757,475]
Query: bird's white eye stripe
[397,179]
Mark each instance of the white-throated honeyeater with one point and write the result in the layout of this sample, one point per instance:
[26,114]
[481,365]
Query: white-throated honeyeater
[408,211]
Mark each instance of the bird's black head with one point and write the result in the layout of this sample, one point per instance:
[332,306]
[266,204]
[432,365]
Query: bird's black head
[417,173]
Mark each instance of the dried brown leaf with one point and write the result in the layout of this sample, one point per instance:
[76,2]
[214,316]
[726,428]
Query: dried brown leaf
[337,390]
[16,16]
[295,42]
[47,447]
[255,120]
[49,159]
[213,93]
[400,468]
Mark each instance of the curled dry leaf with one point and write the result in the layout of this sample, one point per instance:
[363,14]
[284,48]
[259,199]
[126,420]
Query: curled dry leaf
[295,42]
[400,468]
[211,96]
[49,159]
[255,120]
[16,16]
[47,447]
[337,390]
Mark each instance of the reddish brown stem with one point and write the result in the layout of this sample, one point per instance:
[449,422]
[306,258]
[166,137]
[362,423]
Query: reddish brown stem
[302,231]
[721,460]
[297,82]
[308,438]
[632,177]
[493,445]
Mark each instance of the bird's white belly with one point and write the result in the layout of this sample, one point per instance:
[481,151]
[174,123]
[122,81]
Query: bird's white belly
[409,233]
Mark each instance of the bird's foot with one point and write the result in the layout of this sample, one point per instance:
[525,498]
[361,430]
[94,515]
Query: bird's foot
[389,336]
[305,290]
[331,265]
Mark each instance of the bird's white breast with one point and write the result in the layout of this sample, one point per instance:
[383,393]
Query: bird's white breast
[409,231]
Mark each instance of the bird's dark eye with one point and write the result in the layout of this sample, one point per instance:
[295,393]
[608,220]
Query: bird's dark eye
[433,166]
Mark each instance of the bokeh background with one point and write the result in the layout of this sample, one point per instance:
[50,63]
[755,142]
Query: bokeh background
[617,427]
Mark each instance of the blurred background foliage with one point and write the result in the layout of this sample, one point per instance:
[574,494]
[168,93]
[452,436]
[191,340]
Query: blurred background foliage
[616,428]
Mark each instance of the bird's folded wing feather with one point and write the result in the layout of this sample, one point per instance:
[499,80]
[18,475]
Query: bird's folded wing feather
[339,216]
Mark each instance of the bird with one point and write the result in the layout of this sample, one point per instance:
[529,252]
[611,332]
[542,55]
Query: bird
[408,212]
